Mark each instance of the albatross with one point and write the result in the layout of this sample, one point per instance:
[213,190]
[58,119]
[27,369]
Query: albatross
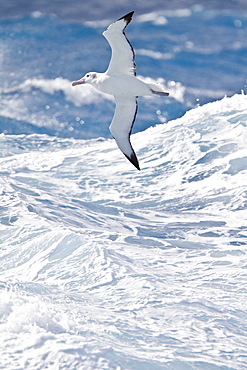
[120,81]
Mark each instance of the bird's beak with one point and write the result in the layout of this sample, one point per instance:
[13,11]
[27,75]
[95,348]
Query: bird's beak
[79,82]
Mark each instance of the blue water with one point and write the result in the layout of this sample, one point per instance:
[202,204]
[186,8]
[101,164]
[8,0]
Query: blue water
[103,266]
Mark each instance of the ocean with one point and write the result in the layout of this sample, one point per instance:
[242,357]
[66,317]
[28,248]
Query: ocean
[103,266]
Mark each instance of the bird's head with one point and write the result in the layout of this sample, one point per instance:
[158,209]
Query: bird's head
[87,79]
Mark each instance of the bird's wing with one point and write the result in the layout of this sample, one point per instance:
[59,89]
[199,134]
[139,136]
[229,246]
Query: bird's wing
[123,56]
[121,126]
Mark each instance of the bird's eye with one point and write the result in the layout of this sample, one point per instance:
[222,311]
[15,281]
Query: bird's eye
[88,75]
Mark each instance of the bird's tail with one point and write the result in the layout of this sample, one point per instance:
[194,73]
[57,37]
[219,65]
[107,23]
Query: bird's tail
[157,90]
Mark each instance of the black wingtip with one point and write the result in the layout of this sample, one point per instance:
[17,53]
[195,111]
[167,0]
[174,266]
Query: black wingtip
[127,18]
[133,159]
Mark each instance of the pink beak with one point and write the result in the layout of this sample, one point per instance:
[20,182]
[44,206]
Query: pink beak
[79,82]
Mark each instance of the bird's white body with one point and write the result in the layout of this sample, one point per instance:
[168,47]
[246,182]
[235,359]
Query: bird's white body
[120,81]
[120,85]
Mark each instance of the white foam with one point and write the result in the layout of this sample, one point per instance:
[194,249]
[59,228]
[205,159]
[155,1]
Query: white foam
[77,96]
[160,18]
[86,94]
[153,54]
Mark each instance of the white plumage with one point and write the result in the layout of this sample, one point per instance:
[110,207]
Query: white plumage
[120,81]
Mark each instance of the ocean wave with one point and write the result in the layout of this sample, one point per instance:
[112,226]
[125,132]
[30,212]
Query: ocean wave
[87,95]
[90,246]
[194,163]
[54,107]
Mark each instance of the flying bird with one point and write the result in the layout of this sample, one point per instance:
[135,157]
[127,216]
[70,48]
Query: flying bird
[120,81]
